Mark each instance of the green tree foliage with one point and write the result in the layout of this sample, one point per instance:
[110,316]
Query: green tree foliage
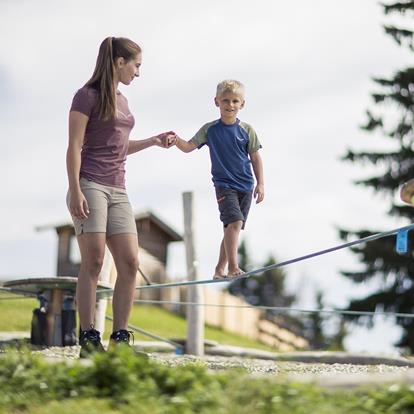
[318,339]
[392,116]
[317,324]
[269,289]
[265,289]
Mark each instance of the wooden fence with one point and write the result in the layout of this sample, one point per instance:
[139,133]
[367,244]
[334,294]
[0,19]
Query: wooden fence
[244,321]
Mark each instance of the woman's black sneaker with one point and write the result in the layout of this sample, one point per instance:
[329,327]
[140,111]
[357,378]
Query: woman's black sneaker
[90,342]
[122,336]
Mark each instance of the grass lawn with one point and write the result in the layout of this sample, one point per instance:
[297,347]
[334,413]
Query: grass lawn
[158,321]
[16,315]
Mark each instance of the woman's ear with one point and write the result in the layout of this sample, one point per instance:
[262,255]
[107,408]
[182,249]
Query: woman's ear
[119,62]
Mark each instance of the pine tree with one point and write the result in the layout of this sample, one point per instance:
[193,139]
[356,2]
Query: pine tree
[394,273]
[269,289]
[265,289]
[316,319]
[317,324]
[336,341]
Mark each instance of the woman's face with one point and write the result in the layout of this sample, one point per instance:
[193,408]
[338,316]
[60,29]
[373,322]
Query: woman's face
[127,70]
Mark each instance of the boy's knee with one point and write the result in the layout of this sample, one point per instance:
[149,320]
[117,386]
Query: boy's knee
[235,225]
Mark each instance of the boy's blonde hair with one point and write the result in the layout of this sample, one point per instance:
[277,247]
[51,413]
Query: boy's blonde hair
[230,85]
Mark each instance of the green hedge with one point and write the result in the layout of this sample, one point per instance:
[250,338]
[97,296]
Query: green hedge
[122,382]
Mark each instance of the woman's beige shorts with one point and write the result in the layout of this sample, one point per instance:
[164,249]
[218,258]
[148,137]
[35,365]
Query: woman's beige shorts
[110,211]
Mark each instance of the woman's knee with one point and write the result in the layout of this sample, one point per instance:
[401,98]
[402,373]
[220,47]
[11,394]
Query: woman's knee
[130,265]
[93,265]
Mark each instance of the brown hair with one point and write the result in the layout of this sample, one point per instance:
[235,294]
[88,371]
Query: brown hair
[103,76]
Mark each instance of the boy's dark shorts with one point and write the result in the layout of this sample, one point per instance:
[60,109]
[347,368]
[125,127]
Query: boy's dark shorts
[233,205]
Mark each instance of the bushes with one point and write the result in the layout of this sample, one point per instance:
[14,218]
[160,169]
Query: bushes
[122,382]
[119,376]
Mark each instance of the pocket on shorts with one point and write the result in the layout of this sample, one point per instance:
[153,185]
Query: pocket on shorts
[221,194]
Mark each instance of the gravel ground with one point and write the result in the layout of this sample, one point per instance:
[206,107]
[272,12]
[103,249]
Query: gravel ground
[250,365]
[332,374]
[260,366]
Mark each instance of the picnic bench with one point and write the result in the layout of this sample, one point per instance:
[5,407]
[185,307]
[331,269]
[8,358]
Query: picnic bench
[54,321]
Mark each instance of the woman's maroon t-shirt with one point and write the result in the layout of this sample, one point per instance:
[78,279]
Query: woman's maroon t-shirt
[105,146]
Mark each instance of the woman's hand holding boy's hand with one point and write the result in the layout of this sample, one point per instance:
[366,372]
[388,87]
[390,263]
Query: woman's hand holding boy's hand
[171,140]
[259,193]
[166,139]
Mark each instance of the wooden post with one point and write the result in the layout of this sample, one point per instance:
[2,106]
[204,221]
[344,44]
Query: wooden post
[64,238]
[195,314]
[54,318]
[101,304]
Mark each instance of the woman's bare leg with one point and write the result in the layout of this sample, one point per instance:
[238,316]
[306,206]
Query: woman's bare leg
[92,250]
[124,249]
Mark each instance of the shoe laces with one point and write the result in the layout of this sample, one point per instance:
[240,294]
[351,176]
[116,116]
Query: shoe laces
[123,336]
[91,335]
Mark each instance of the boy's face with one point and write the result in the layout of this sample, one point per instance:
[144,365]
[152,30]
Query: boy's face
[230,104]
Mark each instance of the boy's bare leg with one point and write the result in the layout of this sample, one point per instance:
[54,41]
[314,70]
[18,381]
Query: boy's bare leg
[231,241]
[222,261]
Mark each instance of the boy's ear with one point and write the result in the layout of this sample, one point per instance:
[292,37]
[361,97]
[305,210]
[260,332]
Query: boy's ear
[216,101]
[242,105]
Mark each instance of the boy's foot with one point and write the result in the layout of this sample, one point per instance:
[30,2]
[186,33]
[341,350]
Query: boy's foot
[90,342]
[235,273]
[230,275]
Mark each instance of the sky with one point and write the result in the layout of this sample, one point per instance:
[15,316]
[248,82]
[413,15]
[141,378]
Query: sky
[307,68]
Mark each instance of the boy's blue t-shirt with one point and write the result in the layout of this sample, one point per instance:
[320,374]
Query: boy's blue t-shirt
[230,146]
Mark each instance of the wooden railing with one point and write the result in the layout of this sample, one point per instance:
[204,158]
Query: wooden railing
[245,321]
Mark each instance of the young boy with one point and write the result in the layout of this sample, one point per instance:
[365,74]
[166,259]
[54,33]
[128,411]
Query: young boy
[233,147]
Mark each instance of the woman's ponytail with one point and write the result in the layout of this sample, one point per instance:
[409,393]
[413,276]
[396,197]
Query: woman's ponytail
[103,78]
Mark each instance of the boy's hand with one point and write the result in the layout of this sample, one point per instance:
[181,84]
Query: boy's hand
[166,139]
[259,193]
[171,140]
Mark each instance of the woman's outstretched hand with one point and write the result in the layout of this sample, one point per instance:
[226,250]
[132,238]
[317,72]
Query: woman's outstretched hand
[166,139]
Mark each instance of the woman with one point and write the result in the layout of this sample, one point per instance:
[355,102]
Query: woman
[99,127]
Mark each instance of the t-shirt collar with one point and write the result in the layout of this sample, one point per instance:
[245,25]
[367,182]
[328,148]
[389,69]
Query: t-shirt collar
[229,125]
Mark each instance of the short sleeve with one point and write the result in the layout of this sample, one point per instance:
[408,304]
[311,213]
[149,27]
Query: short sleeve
[254,143]
[200,138]
[84,101]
